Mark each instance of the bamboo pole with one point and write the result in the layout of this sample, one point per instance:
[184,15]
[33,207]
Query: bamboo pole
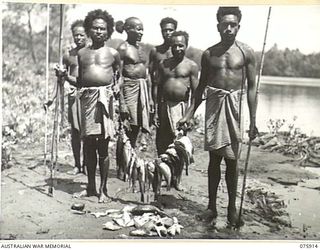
[256,104]
[56,132]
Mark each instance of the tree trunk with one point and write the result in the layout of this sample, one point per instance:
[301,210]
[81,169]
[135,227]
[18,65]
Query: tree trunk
[34,58]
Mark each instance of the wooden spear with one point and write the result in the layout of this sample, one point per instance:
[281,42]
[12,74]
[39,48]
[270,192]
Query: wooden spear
[55,132]
[256,104]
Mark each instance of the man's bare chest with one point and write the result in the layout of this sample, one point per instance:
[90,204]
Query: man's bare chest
[97,57]
[232,60]
[134,56]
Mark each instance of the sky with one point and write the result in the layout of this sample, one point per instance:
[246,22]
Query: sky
[293,27]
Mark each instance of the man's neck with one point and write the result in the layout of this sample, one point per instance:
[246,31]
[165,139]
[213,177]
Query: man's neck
[132,42]
[166,45]
[97,45]
[227,44]
[178,59]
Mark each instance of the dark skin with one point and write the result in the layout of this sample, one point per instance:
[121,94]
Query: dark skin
[97,65]
[134,67]
[158,54]
[70,62]
[222,66]
[178,75]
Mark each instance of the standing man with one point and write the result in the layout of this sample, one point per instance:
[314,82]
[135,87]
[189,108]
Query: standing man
[135,94]
[97,65]
[226,67]
[178,78]
[71,63]
[168,26]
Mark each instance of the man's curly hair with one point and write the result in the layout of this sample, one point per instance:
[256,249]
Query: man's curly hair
[222,11]
[77,23]
[99,14]
[168,20]
[181,33]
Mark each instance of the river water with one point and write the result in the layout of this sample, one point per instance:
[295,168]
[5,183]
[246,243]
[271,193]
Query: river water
[286,98]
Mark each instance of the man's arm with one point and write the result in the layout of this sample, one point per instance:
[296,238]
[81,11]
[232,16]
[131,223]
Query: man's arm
[194,77]
[252,90]
[122,105]
[196,98]
[116,73]
[152,73]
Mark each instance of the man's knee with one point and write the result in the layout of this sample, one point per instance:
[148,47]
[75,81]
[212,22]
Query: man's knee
[103,147]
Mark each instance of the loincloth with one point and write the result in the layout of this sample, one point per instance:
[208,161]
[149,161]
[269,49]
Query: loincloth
[97,111]
[74,109]
[135,93]
[223,132]
[169,114]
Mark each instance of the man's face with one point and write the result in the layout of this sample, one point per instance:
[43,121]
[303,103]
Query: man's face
[178,46]
[98,30]
[79,36]
[228,28]
[135,33]
[167,30]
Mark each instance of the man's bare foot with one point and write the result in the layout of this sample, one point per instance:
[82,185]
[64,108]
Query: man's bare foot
[233,220]
[84,193]
[103,198]
[179,187]
[208,216]
[76,171]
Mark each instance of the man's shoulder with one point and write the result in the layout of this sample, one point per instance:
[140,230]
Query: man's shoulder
[212,49]
[245,47]
[190,62]
[112,51]
[82,51]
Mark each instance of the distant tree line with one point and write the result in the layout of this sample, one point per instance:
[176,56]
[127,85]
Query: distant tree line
[21,43]
[291,63]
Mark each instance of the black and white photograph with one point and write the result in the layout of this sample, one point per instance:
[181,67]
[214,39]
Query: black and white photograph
[160,122]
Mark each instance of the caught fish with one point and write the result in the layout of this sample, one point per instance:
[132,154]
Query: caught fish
[184,147]
[110,225]
[142,209]
[175,228]
[125,220]
[142,232]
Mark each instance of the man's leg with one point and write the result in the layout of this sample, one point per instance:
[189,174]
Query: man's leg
[104,164]
[76,147]
[232,183]
[214,176]
[133,135]
[90,146]
[84,151]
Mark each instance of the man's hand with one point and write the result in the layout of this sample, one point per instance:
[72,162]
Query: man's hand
[156,121]
[183,123]
[151,106]
[116,91]
[124,115]
[253,132]
[60,71]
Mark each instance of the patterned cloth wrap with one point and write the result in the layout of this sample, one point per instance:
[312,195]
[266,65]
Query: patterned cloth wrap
[223,127]
[97,111]
[135,93]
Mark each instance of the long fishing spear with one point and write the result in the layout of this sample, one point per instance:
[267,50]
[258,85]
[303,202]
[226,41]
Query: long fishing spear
[59,87]
[256,104]
[47,83]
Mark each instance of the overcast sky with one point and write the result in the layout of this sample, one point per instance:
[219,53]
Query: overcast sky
[290,26]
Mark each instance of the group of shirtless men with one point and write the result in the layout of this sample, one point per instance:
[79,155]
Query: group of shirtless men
[166,87]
